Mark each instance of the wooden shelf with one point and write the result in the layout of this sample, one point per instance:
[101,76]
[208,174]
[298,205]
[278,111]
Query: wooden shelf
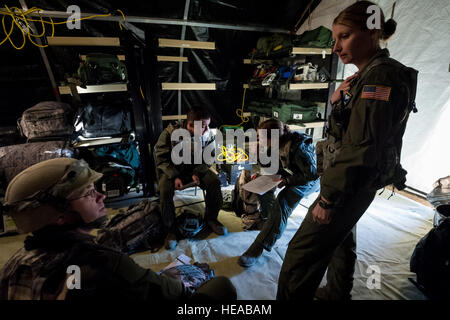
[257,61]
[175,117]
[172,59]
[307,125]
[114,87]
[188,86]
[121,57]
[96,142]
[296,86]
[83,41]
[311,51]
[308,86]
[173,43]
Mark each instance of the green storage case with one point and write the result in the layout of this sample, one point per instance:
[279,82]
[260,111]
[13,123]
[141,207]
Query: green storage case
[295,113]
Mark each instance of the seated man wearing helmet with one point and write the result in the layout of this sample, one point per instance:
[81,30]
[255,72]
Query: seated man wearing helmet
[57,202]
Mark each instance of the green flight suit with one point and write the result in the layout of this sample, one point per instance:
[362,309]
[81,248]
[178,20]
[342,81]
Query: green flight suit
[360,155]
[168,172]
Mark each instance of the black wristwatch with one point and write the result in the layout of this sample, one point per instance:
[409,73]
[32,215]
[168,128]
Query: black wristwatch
[325,205]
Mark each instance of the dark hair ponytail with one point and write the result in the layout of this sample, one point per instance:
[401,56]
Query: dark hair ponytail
[389,29]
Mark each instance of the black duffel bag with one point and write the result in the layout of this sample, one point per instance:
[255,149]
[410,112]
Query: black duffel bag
[102,120]
[431,261]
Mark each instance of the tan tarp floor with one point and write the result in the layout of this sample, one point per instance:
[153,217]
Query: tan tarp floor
[386,234]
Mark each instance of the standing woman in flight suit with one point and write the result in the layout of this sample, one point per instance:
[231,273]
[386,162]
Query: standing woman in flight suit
[360,155]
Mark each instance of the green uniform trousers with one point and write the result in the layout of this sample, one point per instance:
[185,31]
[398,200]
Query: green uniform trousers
[208,182]
[315,247]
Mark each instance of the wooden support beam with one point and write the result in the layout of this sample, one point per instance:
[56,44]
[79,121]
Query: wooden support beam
[172,58]
[188,86]
[172,43]
[83,41]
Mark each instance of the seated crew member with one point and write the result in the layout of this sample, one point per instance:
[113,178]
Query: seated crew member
[299,177]
[57,202]
[173,176]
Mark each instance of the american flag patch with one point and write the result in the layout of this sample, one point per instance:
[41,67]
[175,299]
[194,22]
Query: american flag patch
[376,93]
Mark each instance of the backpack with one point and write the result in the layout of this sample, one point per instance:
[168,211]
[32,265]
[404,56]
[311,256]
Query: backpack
[16,158]
[100,120]
[320,37]
[245,204]
[274,45]
[47,119]
[431,261]
[101,68]
[138,229]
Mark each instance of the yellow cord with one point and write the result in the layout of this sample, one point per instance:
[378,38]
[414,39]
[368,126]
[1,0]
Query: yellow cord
[233,155]
[239,113]
[16,14]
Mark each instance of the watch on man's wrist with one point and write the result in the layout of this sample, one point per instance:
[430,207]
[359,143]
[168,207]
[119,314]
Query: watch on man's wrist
[325,205]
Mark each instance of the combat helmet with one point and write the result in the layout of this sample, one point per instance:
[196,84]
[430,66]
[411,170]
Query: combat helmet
[38,194]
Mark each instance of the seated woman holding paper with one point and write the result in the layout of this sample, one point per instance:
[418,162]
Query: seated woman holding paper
[299,177]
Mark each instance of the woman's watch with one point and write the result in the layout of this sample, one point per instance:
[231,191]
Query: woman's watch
[325,205]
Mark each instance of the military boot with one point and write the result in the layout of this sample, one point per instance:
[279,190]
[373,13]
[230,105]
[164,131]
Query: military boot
[171,241]
[217,227]
[251,256]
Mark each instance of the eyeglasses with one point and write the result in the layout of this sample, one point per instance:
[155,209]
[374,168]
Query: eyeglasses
[91,194]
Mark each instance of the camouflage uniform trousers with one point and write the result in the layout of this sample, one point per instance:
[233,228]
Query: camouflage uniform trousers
[208,182]
[315,247]
[277,210]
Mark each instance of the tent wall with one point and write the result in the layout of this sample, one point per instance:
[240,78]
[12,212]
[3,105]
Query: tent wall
[421,41]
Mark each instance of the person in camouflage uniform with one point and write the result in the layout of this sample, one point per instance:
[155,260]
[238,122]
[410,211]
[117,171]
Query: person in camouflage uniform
[360,155]
[173,177]
[299,179]
[57,202]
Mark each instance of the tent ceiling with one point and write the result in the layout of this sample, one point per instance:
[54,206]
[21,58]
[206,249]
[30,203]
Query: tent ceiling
[281,14]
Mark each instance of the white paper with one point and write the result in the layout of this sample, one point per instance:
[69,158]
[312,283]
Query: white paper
[262,184]
[181,259]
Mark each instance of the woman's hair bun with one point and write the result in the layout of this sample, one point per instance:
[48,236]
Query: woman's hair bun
[389,29]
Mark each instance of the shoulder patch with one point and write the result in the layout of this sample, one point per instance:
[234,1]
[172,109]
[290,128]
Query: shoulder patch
[373,92]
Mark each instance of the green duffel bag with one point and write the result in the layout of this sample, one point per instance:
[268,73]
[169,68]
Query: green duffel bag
[320,37]
[295,113]
[262,108]
[102,68]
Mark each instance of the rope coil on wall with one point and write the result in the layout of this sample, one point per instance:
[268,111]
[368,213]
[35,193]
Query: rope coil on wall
[21,19]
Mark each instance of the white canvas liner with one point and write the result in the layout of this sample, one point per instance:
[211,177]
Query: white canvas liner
[421,41]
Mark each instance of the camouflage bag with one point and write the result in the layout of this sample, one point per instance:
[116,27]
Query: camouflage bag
[16,158]
[47,119]
[101,68]
[191,275]
[245,203]
[138,229]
